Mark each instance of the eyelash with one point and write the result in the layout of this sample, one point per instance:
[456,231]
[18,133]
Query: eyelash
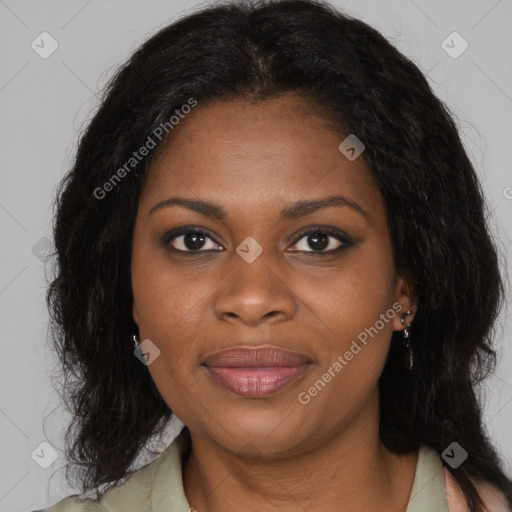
[340,236]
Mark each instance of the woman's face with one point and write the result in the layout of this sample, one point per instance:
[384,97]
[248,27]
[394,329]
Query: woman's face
[256,278]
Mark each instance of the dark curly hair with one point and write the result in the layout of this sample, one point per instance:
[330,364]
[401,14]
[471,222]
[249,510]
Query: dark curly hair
[434,202]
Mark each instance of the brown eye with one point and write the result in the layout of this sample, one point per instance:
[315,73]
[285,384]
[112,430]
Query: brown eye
[321,240]
[190,240]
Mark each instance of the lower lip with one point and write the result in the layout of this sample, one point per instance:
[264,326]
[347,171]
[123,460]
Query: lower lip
[257,382]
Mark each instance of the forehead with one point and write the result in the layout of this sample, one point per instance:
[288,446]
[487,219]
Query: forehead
[245,155]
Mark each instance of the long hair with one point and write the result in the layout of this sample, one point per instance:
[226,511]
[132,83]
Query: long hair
[435,206]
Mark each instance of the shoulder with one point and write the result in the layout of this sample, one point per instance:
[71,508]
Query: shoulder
[493,499]
[73,504]
[134,495]
[158,483]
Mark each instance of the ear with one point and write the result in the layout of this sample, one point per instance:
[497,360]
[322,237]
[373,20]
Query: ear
[405,297]
[135,313]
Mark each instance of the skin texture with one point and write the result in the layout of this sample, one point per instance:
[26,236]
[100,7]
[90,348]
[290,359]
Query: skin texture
[253,159]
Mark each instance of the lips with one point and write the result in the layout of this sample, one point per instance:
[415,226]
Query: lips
[256,372]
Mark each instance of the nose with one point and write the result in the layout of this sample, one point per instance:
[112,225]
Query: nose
[254,294]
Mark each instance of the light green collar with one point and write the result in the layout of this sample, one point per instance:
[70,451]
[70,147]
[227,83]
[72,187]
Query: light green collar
[158,486]
[428,493]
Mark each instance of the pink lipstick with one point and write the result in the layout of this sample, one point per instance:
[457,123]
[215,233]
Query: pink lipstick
[256,372]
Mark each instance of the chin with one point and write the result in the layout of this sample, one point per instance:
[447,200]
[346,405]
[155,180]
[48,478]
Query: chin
[269,432]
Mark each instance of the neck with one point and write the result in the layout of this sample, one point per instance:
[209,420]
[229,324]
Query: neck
[349,470]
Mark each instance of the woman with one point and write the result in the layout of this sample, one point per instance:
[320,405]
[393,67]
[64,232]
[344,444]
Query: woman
[275,208]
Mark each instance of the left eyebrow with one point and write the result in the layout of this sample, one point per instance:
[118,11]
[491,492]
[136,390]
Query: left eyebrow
[290,211]
[302,208]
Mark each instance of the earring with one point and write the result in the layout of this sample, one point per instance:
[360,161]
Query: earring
[409,358]
[136,341]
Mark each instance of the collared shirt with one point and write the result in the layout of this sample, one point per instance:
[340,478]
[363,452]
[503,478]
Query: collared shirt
[158,487]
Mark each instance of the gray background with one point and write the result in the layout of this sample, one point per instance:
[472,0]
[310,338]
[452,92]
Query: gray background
[45,102]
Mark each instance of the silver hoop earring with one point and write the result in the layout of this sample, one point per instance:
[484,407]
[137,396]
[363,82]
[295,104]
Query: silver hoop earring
[409,357]
[136,341]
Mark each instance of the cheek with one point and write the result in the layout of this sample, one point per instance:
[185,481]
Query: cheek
[347,309]
[167,297]
[170,316]
[351,299]
[348,376]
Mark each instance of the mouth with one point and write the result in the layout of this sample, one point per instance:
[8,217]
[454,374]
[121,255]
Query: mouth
[256,372]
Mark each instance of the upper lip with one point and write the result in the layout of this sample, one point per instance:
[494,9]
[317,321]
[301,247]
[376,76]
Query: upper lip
[262,356]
